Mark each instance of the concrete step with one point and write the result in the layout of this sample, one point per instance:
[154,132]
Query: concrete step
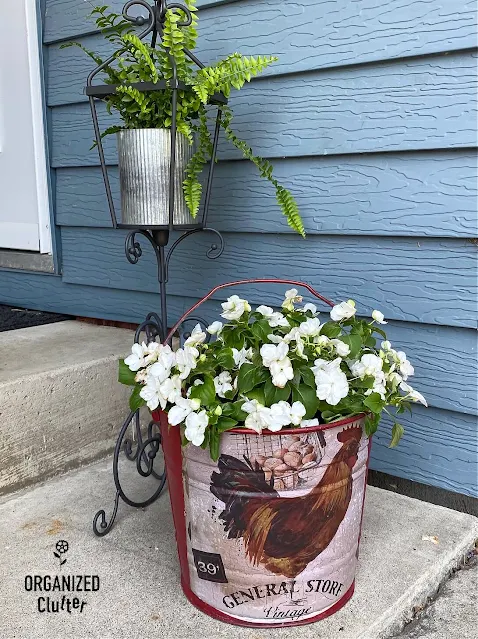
[140,596]
[454,613]
[60,403]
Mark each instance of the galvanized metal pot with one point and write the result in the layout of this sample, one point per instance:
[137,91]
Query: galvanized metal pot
[261,547]
[144,157]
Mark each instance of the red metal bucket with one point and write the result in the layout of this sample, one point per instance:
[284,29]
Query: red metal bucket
[262,548]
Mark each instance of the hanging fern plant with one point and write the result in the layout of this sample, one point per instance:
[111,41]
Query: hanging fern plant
[138,61]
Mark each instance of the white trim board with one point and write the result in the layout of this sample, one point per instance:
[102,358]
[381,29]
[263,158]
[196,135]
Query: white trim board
[25,204]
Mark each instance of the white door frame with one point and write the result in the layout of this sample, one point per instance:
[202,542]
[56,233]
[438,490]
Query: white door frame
[31,228]
[39,129]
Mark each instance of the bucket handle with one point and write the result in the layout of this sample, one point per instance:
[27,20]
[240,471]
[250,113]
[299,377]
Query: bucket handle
[237,283]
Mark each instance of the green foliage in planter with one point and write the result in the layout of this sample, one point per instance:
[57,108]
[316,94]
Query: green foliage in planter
[137,61]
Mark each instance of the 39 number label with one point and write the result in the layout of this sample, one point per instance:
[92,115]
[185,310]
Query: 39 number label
[209,566]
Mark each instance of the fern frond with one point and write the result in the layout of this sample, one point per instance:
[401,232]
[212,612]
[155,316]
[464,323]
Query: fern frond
[192,187]
[140,51]
[284,197]
[232,72]
[190,32]
[172,47]
[135,96]
[89,53]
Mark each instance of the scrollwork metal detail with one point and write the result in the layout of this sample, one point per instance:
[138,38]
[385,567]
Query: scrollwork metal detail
[145,454]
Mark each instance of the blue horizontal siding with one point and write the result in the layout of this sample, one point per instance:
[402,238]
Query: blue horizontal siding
[430,281]
[421,104]
[444,357]
[304,35]
[422,194]
[439,446]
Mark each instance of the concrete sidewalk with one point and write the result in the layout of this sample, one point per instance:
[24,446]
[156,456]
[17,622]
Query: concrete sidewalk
[139,595]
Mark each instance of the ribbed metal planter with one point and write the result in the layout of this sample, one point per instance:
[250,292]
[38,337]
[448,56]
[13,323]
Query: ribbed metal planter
[268,536]
[144,157]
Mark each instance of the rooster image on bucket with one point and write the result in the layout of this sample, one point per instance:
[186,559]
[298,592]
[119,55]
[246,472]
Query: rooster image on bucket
[259,545]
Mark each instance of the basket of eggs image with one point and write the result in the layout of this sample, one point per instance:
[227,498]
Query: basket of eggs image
[288,462]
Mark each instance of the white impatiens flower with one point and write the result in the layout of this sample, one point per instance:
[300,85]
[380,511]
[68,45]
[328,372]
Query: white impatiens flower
[379,385]
[181,410]
[222,383]
[274,318]
[136,360]
[386,345]
[321,340]
[158,393]
[394,379]
[186,360]
[343,311]
[379,317]
[141,376]
[196,424]
[260,417]
[310,328]
[273,353]
[170,389]
[291,296]
[413,394]
[197,336]
[242,357]
[234,308]
[215,328]
[312,308]
[341,348]
[406,369]
[307,423]
[151,394]
[296,412]
[369,364]
[274,357]
[161,369]
[331,383]
[281,372]
[256,418]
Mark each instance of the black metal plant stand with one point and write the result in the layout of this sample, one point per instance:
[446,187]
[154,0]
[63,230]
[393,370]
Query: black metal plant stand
[143,451]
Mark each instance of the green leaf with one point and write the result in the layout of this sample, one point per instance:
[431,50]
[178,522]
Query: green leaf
[370,342]
[397,433]
[375,403]
[378,330]
[249,377]
[273,394]
[257,393]
[214,440]
[331,329]
[261,330]
[226,423]
[135,401]
[233,337]
[371,424]
[354,342]
[125,375]
[307,376]
[234,410]
[206,392]
[308,397]
[246,378]
[225,359]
